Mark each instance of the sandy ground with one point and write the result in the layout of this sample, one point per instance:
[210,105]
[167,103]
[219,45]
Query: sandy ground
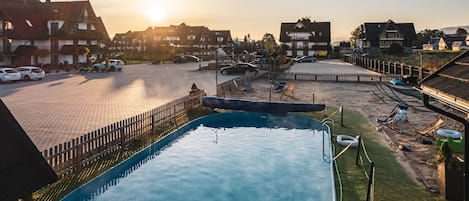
[420,161]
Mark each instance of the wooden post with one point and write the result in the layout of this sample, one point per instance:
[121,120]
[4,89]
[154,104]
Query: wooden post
[342,115]
[420,73]
[358,149]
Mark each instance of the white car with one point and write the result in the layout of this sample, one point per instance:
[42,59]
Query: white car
[113,65]
[9,75]
[31,73]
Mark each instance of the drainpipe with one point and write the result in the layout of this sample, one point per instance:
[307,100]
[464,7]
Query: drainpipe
[466,137]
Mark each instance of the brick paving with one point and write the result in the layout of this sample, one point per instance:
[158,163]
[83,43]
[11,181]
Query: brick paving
[67,105]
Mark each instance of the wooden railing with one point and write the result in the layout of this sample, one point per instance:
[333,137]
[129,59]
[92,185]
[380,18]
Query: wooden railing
[73,155]
[229,86]
[387,67]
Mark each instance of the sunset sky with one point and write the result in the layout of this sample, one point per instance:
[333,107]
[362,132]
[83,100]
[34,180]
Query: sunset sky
[261,16]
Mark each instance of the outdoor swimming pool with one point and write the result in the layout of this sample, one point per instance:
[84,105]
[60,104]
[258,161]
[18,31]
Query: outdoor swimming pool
[228,156]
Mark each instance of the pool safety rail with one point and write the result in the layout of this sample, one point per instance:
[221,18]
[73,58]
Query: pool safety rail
[327,156]
[367,165]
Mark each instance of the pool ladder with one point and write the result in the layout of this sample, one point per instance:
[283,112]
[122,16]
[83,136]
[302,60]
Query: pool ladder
[327,123]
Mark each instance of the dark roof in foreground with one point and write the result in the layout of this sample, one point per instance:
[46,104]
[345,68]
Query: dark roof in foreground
[23,170]
[451,81]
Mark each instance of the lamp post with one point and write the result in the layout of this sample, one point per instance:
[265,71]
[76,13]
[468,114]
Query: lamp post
[216,72]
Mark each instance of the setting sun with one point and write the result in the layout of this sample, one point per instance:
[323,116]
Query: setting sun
[156,14]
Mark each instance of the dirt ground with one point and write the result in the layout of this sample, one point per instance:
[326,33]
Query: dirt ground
[373,101]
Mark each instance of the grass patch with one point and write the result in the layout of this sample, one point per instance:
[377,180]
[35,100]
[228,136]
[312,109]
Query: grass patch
[391,182]
[68,183]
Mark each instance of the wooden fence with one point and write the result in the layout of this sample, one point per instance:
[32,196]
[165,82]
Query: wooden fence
[387,68]
[229,86]
[73,155]
[339,77]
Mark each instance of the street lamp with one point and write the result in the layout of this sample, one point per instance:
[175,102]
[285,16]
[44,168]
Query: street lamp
[216,72]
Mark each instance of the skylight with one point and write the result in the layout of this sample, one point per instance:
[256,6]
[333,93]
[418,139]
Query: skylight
[28,23]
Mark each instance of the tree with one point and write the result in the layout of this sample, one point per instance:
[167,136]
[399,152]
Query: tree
[354,36]
[268,43]
[461,32]
[423,37]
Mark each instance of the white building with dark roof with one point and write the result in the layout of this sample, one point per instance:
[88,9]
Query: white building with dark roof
[305,37]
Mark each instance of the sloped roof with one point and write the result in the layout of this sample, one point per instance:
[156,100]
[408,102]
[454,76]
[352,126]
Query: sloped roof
[374,29]
[451,81]
[30,17]
[23,170]
[323,27]
[73,12]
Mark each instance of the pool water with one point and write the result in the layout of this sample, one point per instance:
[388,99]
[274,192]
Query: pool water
[233,156]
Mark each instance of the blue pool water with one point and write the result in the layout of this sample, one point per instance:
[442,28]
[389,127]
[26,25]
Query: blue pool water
[229,156]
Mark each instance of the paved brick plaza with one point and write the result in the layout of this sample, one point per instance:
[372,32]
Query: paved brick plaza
[64,106]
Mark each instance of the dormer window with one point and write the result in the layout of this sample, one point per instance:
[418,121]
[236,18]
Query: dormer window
[82,26]
[28,23]
[85,13]
[92,27]
[299,25]
[220,39]
[8,25]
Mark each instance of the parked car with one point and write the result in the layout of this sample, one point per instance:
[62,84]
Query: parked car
[9,75]
[297,58]
[239,68]
[113,65]
[305,59]
[186,58]
[31,73]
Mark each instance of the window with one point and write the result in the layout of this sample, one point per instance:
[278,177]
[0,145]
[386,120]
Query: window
[220,39]
[8,25]
[191,37]
[93,27]
[28,23]
[82,26]
[54,28]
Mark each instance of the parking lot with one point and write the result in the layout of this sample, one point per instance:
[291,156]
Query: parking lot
[329,67]
[67,105]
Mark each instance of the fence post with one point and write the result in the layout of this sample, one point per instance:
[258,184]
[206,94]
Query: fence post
[152,123]
[370,180]
[342,115]
[420,73]
[359,138]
